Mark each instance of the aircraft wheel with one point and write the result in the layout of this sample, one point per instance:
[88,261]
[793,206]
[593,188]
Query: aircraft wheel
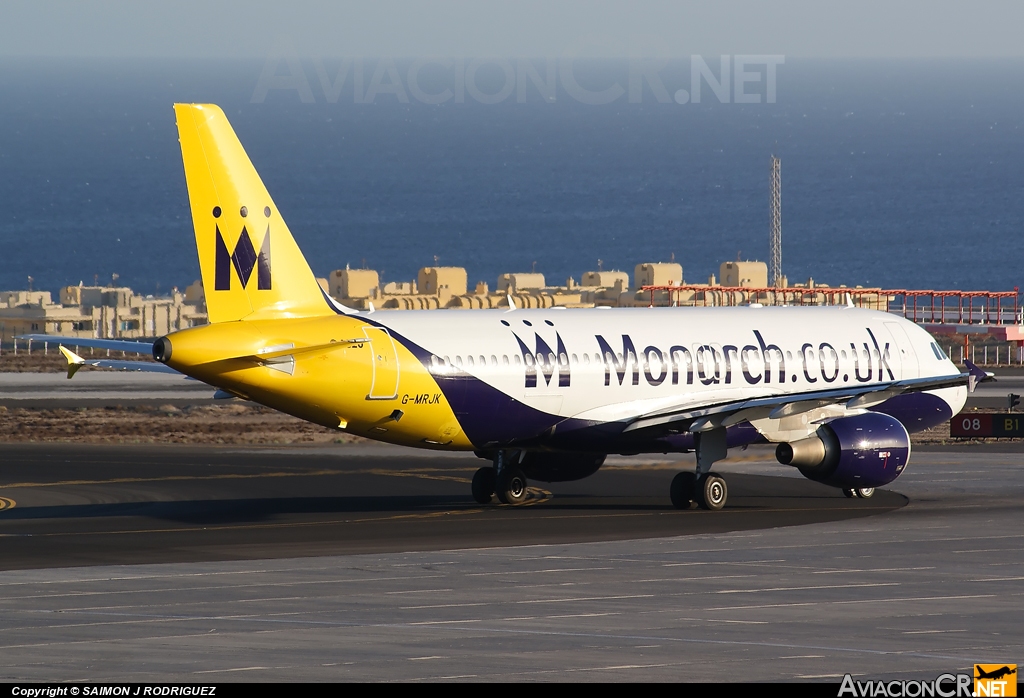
[865,492]
[511,486]
[711,492]
[681,491]
[483,485]
[849,492]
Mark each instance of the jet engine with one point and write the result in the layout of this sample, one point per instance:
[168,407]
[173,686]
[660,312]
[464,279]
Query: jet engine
[560,467]
[864,451]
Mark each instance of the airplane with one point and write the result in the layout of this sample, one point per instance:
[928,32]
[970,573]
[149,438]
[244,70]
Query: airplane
[542,394]
[995,674]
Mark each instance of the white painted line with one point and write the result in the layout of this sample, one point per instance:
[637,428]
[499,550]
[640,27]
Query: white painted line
[830,586]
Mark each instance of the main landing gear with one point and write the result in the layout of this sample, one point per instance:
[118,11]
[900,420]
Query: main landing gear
[859,493]
[704,487]
[504,479]
[709,491]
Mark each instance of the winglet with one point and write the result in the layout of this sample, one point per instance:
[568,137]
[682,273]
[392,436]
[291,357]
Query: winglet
[75,361]
[511,303]
[976,376]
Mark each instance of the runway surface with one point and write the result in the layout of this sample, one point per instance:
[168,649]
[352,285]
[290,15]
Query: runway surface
[94,386]
[87,505]
[336,564]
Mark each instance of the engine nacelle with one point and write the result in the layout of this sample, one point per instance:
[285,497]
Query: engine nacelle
[867,450]
[560,467]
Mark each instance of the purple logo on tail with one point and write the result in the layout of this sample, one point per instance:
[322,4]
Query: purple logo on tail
[244,259]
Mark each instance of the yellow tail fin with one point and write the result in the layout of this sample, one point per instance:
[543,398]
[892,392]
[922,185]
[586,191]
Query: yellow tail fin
[250,263]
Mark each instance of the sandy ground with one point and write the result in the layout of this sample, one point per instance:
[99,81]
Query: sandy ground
[235,423]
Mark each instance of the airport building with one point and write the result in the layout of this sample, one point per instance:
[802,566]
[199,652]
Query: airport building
[118,312]
[99,311]
[653,283]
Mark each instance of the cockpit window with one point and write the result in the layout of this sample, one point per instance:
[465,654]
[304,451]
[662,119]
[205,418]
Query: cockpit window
[938,352]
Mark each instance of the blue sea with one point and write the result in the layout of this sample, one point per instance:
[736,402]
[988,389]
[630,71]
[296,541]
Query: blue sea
[900,174]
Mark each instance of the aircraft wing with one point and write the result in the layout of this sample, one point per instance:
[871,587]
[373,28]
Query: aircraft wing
[142,366]
[76,362]
[111,344]
[723,414]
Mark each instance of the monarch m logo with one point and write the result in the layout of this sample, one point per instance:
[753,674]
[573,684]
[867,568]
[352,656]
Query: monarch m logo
[545,362]
[244,258]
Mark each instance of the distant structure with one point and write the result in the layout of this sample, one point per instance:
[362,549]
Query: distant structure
[109,312]
[775,238]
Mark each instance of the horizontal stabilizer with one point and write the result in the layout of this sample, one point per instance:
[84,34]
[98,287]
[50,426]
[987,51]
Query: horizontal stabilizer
[313,349]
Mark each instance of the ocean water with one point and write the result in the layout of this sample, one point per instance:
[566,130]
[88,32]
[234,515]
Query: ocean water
[906,174]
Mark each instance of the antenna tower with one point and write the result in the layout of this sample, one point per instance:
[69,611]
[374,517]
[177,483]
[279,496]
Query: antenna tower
[775,238]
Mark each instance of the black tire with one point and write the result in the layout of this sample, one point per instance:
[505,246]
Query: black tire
[483,485]
[681,491]
[865,492]
[712,492]
[850,493]
[511,486]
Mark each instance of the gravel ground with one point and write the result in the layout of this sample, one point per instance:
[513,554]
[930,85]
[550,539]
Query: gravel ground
[236,423]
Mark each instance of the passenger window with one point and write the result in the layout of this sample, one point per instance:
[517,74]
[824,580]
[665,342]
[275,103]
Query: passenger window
[458,361]
[575,360]
[517,359]
[504,359]
[494,360]
[469,360]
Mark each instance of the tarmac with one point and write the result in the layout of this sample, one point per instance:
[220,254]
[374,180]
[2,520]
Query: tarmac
[372,563]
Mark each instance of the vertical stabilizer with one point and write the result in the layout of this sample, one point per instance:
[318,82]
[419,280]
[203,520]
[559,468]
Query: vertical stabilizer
[250,264]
